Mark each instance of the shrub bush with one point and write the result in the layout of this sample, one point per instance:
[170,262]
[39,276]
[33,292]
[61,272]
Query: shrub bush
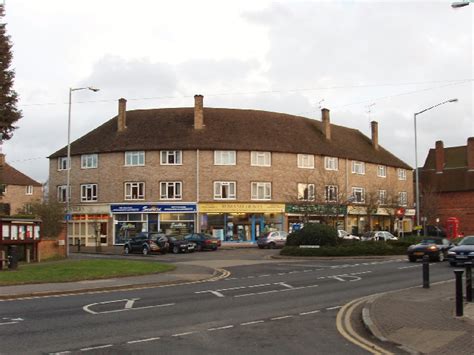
[313,234]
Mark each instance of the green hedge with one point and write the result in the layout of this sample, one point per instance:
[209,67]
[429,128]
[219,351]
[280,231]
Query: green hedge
[313,234]
[353,249]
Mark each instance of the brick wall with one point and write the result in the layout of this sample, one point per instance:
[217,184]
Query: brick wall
[460,205]
[49,248]
[16,196]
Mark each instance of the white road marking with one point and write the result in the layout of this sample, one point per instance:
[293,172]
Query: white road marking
[331,308]
[336,278]
[97,347]
[183,334]
[310,312]
[282,317]
[408,267]
[130,303]
[142,340]
[274,291]
[221,328]
[264,275]
[60,353]
[284,284]
[9,323]
[253,322]
[127,307]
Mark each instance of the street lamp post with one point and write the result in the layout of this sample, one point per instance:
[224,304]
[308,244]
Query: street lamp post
[458,4]
[68,159]
[417,187]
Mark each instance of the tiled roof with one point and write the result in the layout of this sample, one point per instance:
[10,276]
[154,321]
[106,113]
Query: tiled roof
[455,157]
[229,129]
[10,176]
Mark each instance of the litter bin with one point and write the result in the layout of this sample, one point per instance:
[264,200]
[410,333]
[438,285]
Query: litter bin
[12,257]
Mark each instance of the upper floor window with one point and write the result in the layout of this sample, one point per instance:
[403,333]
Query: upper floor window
[331,193]
[224,157]
[62,193]
[88,192]
[136,158]
[261,190]
[62,163]
[3,189]
[358,167]
[402,198]
[89,161]
[134,190]
[358,194]
[171,190]
[382,197]
[381,171]
[331,163]
[402,174]
[306,192]
[261,159]
[224,190]
[29,190]
[306,161]
[171,157]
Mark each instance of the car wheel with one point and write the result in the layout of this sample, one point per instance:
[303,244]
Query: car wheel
[126,250]
[441,256]
[271,246]
[145,251]
[453,263]
[412,259]
[175,249]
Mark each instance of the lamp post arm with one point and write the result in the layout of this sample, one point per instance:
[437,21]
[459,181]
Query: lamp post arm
[441,103]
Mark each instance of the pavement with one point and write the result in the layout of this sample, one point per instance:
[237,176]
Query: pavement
[414,320]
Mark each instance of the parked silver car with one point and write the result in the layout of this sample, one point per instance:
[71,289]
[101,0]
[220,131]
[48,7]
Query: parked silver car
[379,235]
[344,235]
[271,240]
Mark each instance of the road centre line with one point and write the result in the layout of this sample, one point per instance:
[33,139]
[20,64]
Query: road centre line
[275,291]
[183,334]
[253,322]
[97,347]
[335,307]
[310,312]
[221,328]
[282,317]
[142,340]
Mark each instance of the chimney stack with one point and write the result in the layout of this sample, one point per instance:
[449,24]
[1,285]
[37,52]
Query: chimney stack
[326,123]
[122,115]
[375,134]
[198,112]
[470,154]
[439,154]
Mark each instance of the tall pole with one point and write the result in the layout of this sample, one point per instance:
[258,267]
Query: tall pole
[68,172]
[417,187]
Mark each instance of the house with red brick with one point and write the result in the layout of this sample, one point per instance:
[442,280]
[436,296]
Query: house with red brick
[447,185]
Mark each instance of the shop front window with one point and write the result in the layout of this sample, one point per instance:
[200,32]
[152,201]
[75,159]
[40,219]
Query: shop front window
[129,225]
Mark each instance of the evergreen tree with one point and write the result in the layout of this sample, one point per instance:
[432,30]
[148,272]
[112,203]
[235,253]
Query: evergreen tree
[9,113]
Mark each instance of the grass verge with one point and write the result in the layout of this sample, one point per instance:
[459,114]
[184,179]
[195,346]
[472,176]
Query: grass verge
[77,270]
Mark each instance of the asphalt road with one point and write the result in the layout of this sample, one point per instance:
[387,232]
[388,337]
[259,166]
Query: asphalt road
[277,307]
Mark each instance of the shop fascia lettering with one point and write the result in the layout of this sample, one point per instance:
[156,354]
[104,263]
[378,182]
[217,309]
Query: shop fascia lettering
[241,208]
[152,208]
[328,210]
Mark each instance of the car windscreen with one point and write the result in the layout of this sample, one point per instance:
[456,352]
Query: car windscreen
[467,241]
[431,241]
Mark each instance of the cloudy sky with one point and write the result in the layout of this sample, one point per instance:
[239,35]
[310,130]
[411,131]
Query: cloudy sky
[368,60]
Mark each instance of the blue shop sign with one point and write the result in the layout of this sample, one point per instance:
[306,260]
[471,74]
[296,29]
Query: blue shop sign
[155,208]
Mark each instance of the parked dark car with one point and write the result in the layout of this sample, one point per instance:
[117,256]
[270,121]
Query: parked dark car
[463,252]
[203,241]
[434,231]
[147,243]
[435,248]
[272,240]
[180,245]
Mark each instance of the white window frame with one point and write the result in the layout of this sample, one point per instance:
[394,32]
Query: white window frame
[305,161]
[219,189]
[261,191]
[175,155]
[29,190]
[361,191]
[89,161]
[306,189]
[382,171]
[382,197]
[62,163]
[129,193]
[89,192]
[402,198]
[402,174]
[331,163]
[131,156]
[331,189]
[62,194]
[165,185]
[260,158]
[225,157]
[358,167]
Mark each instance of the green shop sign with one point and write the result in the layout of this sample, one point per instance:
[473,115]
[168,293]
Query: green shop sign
[323,210]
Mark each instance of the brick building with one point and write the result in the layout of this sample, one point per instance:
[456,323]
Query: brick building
[19,190]
[234,173]
[447,185]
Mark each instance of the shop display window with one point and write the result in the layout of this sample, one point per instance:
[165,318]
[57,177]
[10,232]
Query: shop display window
[5,232]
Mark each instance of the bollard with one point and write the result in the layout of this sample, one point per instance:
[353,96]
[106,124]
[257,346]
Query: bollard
[459,301]
[468,266]
[426,271]
[12,257]
[78,245]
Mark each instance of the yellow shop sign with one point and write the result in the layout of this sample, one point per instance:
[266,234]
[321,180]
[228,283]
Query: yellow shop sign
[241,208]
